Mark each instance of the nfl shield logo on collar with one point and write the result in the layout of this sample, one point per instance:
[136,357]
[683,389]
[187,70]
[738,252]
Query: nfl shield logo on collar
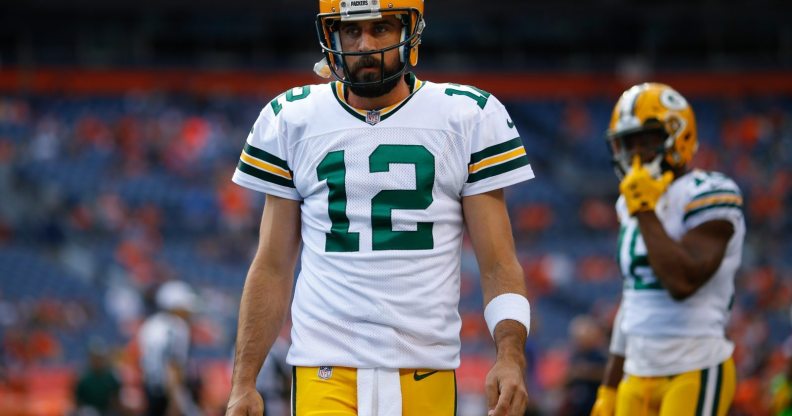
[325,372]
[373,117]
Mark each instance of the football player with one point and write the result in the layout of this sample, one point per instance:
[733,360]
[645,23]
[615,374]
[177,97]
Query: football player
[164,343]
[375,174]
[679,247]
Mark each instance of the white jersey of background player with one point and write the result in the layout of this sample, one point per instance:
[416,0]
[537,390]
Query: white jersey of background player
[664,336]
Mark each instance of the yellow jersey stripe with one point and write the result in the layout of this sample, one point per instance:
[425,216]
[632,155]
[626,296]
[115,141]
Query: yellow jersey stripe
[715,199]
[492,160]
[265,166]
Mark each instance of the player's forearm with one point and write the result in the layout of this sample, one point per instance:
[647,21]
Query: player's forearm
[262,311]
[510,342]
[501,276]
[614,371]
[267,291]
[671,263]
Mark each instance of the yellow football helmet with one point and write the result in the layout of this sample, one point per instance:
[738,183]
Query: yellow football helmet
[650,107]
[331,12]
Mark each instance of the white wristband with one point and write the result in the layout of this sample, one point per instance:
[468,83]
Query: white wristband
[508,306]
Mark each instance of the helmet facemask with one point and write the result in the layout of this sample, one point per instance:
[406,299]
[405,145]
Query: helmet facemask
[328,24]
[659,148]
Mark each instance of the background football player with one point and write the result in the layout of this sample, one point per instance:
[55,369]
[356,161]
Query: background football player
[164,342]
[679,247]
[375,174]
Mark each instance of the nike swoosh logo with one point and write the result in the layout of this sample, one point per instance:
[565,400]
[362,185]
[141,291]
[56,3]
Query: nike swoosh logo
[419,377]
[509,123]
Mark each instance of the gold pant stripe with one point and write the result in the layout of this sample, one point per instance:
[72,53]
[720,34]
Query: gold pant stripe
[333,392]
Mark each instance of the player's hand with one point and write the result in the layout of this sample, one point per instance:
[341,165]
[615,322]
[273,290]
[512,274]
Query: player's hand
[245,402]
[606,402]
[641,191]
[505,387]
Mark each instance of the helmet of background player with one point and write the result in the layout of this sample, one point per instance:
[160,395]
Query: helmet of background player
[652,110]
[333,12]
[177,296]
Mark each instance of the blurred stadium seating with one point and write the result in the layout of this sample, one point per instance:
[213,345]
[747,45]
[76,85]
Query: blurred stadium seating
[115,171]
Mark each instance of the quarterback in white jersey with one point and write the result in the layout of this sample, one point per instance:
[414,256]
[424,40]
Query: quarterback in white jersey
[377,174]
[680,245]
[382,218]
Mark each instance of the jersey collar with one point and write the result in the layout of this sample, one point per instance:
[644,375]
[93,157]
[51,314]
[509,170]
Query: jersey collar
[340,92]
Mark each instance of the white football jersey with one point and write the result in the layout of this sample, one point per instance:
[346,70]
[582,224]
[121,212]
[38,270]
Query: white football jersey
[665,336]
[381,214]
[164,339]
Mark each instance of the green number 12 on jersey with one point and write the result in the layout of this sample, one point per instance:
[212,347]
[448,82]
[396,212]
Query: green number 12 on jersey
[333,170]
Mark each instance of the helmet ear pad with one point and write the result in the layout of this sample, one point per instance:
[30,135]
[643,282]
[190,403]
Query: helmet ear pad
[335,43]
[414,24]
[404,52]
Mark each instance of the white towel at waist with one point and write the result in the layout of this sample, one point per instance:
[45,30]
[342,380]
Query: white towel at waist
[379,392]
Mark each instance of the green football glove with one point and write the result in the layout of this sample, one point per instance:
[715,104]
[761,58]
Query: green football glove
[641,191]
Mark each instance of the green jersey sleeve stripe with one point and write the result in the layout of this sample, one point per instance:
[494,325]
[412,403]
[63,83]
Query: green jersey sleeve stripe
[715,192]
[708,207]
[495,150]
[265,176]
[265,156]
[498,169]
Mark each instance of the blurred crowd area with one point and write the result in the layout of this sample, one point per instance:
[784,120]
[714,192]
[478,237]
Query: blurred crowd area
[461,35]
[103,198]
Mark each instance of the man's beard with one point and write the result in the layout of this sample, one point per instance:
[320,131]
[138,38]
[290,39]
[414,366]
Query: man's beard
[377,88]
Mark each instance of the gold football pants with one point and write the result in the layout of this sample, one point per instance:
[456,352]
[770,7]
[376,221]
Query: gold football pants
[705,392]
[332,391]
